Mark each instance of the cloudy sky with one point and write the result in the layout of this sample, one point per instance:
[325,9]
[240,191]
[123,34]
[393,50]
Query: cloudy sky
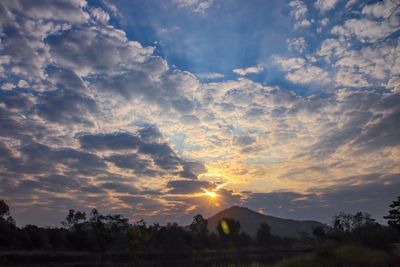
[164,109]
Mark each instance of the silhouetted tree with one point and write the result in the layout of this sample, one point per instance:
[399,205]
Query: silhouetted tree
[174,238]
[345,222]
[229,230]
[199,224]
[394,214]
[264,235]
[7,227]
[139,235]
[199,232]
[74,219]
[319,232]
[5,217]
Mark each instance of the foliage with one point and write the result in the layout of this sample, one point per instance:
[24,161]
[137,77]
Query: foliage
[350,234]
[74,219]
[394,214]
[229,232]
[7,226]
[344,222]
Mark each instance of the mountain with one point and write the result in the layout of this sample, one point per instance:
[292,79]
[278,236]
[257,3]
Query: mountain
[250,221]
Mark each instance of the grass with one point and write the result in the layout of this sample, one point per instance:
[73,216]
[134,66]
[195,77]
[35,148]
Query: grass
[343,256]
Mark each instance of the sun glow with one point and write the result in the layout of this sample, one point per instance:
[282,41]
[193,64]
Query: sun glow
[210,193]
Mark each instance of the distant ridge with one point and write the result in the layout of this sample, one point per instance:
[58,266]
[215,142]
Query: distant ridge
[250,221]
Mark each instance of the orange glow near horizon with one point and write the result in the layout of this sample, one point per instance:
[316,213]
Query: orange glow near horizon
[211,194]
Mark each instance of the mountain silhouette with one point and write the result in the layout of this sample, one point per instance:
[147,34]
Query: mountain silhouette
[250,222]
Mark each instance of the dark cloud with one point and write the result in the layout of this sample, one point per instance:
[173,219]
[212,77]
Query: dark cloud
[244,140]
[187,187]
[120,187]
[129,161]
[67,107]
[111,141]
[150,134]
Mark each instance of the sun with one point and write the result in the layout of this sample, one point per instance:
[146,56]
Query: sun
[210,193]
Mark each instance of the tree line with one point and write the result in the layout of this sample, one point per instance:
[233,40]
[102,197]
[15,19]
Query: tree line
[100,233]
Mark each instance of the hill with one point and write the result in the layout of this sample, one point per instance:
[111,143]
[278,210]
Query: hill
[250,221]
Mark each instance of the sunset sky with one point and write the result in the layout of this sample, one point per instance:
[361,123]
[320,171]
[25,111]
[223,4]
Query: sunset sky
[165,109]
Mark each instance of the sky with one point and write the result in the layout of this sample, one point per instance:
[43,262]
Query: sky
[161,110]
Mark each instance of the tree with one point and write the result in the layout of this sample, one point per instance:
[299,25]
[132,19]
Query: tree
[7,227]
[139,236]
[199,224]
[229,232]
[394,214]
[74,219]
[228,227]
[5,217]
[346,222]
[199,232]
[319,232]
[264,235]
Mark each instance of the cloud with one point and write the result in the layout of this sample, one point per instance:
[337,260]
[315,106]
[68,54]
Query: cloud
[187,187]
[100,15]
[249,70]
[104,121]
[196,6]
[381,9]
[299,9]
[296,44]
[70,11]
[299,13]
[113,141]
[210,75]
[364,29]
[325,5]
[299,71]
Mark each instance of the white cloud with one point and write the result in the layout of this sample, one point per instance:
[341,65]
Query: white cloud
[22,84]
[324,22]
[394,84]
[299,9]
[381,9]
[197,6]
[249,70]
[299,71]
[99,15]
[350,3]
[349,76]
[289,64]
[325,5]
[364,29]
[309,74]
[296,44]
[210,75]
[303,23]
[332,47]
[299,13]
[7,86]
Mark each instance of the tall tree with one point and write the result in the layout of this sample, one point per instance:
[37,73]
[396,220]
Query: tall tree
[264,236]
[7,227]
[199,224]
[5,217]
[394,214]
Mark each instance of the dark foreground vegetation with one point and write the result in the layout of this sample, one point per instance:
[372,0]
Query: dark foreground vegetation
[351,240]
